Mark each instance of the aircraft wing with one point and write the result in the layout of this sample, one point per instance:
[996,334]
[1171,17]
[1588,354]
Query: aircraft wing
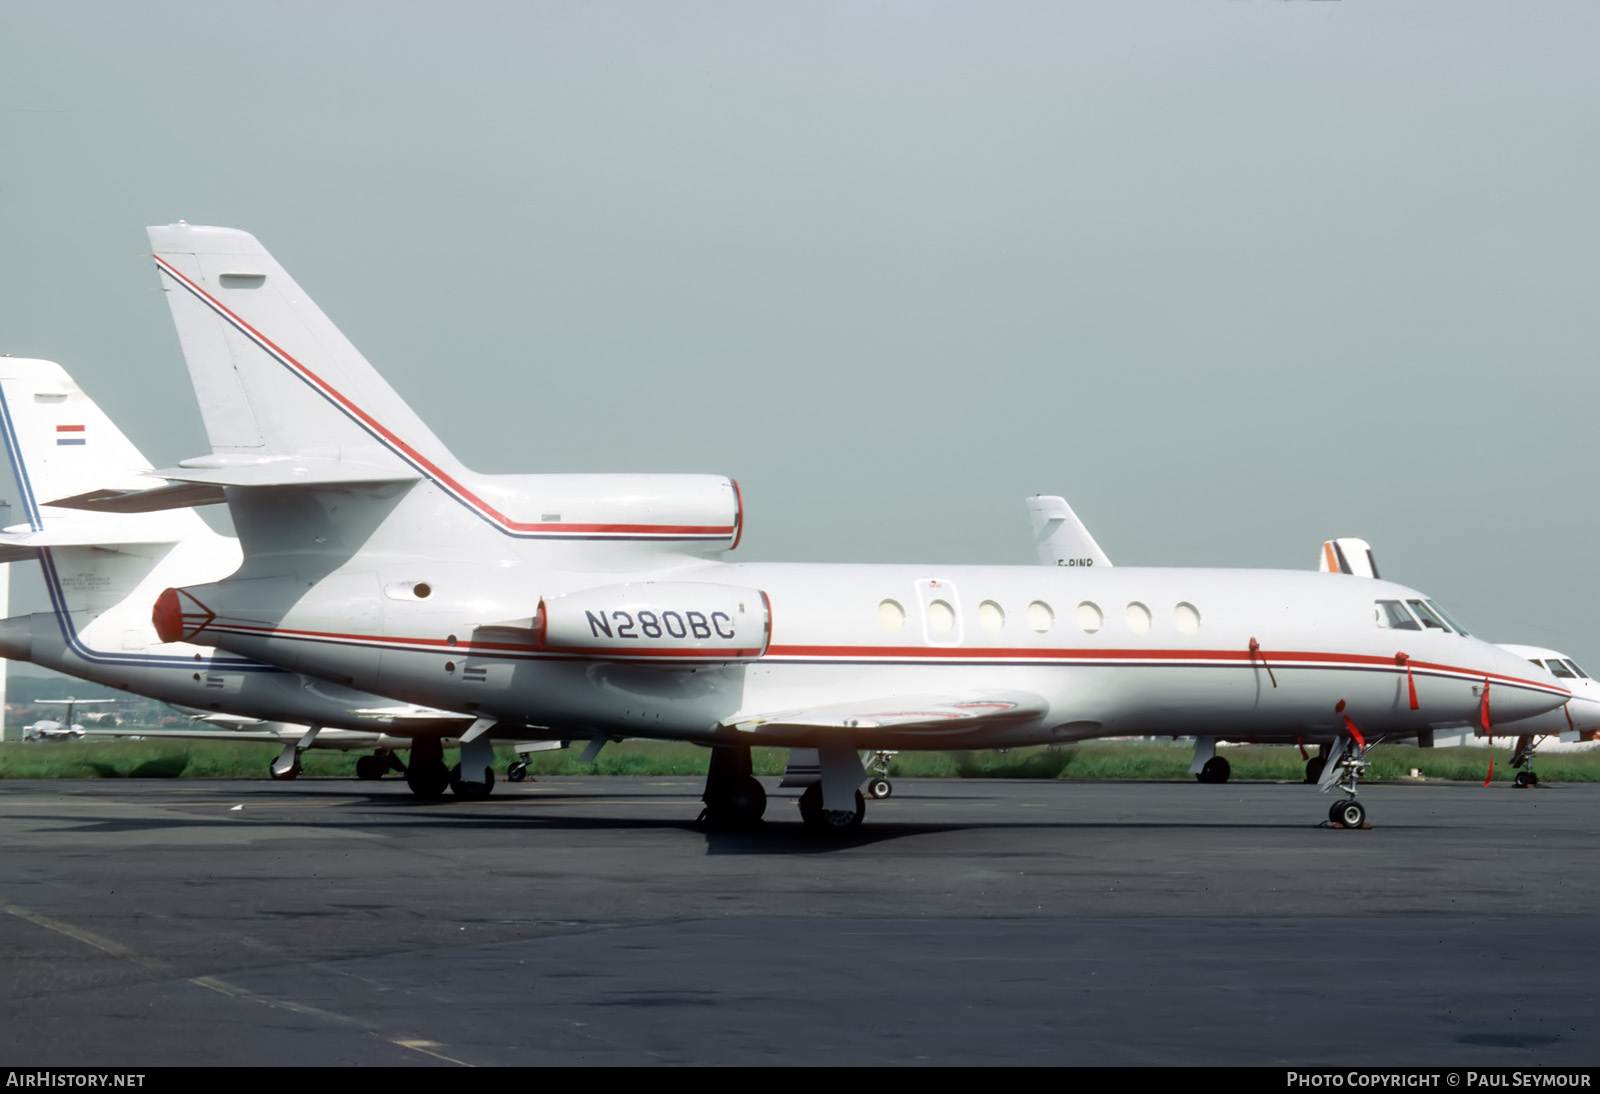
[952,713]
[274,736]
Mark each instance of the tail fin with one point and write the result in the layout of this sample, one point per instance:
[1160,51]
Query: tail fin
[1347,556]
[62,445]
[273,375]
[1059,536]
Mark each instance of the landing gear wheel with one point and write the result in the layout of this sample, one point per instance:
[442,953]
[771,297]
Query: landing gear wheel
[741,803]
[471,791]
[879,788]
[1348,814]
[426,774]
[289,774]
[832,821]
[1525,779]
[1214,770]
[370,767]
[1315,767]
[517,771]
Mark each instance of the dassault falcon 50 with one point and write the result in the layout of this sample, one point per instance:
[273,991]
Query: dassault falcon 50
[603,605]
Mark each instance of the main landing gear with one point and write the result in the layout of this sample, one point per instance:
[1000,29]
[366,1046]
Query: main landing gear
[733,797]
[1207,766]
[426,774]
[377,765]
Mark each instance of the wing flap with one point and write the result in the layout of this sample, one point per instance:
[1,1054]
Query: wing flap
[950,713]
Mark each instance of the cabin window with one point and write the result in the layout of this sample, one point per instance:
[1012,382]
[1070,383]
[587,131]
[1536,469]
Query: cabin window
[991,616]
[1041,617]
[1089,617]
[1430,619]
[941,617]
[891,615]
[1138,618]
[1186,617]
[1393,614]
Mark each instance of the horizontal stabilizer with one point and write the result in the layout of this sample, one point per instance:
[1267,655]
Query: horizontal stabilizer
[936,713]
[293,471]
[181,495]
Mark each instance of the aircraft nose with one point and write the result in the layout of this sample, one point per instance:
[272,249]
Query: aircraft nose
[1524,690]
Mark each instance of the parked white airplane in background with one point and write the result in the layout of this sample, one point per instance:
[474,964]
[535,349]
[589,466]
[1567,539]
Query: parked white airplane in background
[101,572]
[66,729]
[601,606]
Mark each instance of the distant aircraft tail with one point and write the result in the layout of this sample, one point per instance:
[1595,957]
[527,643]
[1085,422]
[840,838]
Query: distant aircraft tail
[1347,556]
[101,569]
[1059,537]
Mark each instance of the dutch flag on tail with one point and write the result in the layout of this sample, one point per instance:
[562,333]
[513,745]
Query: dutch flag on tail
[70,434]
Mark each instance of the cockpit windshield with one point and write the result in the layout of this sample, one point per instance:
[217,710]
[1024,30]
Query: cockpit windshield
[1573,665]
[1448,618]
[1393,615]
[1429,619]
[1558,667]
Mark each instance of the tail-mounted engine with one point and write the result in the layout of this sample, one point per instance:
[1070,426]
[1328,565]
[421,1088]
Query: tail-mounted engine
[658,620]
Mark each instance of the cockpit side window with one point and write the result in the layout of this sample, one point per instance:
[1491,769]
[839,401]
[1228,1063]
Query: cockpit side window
[1450,619]
[1393,614]
[1559,668]
[1573,665]
[1426,614]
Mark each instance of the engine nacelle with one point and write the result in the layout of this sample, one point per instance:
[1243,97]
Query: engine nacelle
[658,620]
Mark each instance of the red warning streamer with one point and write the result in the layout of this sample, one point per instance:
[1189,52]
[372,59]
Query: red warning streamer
[1255,651]
[1354,732]
[1403,658]
[1483,716]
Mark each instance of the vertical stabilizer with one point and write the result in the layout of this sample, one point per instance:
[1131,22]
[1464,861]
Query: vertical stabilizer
[273,375]
[1059,537]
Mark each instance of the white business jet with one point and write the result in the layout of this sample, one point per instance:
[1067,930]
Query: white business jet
[603,606]
[101,570]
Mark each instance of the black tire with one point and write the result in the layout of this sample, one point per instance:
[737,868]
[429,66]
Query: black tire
[1315,767]
[742,805]
[293,772]
[516,771]
[370,767]
[879,789]
[1348,814]
[1525,779]
[1214,770]
[427,780]
[833,822]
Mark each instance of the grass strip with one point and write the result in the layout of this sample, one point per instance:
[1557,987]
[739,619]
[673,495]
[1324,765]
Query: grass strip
[168,758]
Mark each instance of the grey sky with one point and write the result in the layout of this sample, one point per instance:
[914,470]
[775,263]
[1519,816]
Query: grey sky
[1233,277]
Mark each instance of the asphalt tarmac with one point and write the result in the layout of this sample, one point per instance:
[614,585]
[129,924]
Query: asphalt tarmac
[588,921]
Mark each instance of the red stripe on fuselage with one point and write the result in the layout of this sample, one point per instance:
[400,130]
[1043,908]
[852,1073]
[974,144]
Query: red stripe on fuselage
[858,654]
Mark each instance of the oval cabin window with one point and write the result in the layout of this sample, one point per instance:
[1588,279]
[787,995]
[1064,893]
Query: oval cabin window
[991,616]
[1186,617]
[1138,618]
[891,615]
[1089,617]
[1040,616]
